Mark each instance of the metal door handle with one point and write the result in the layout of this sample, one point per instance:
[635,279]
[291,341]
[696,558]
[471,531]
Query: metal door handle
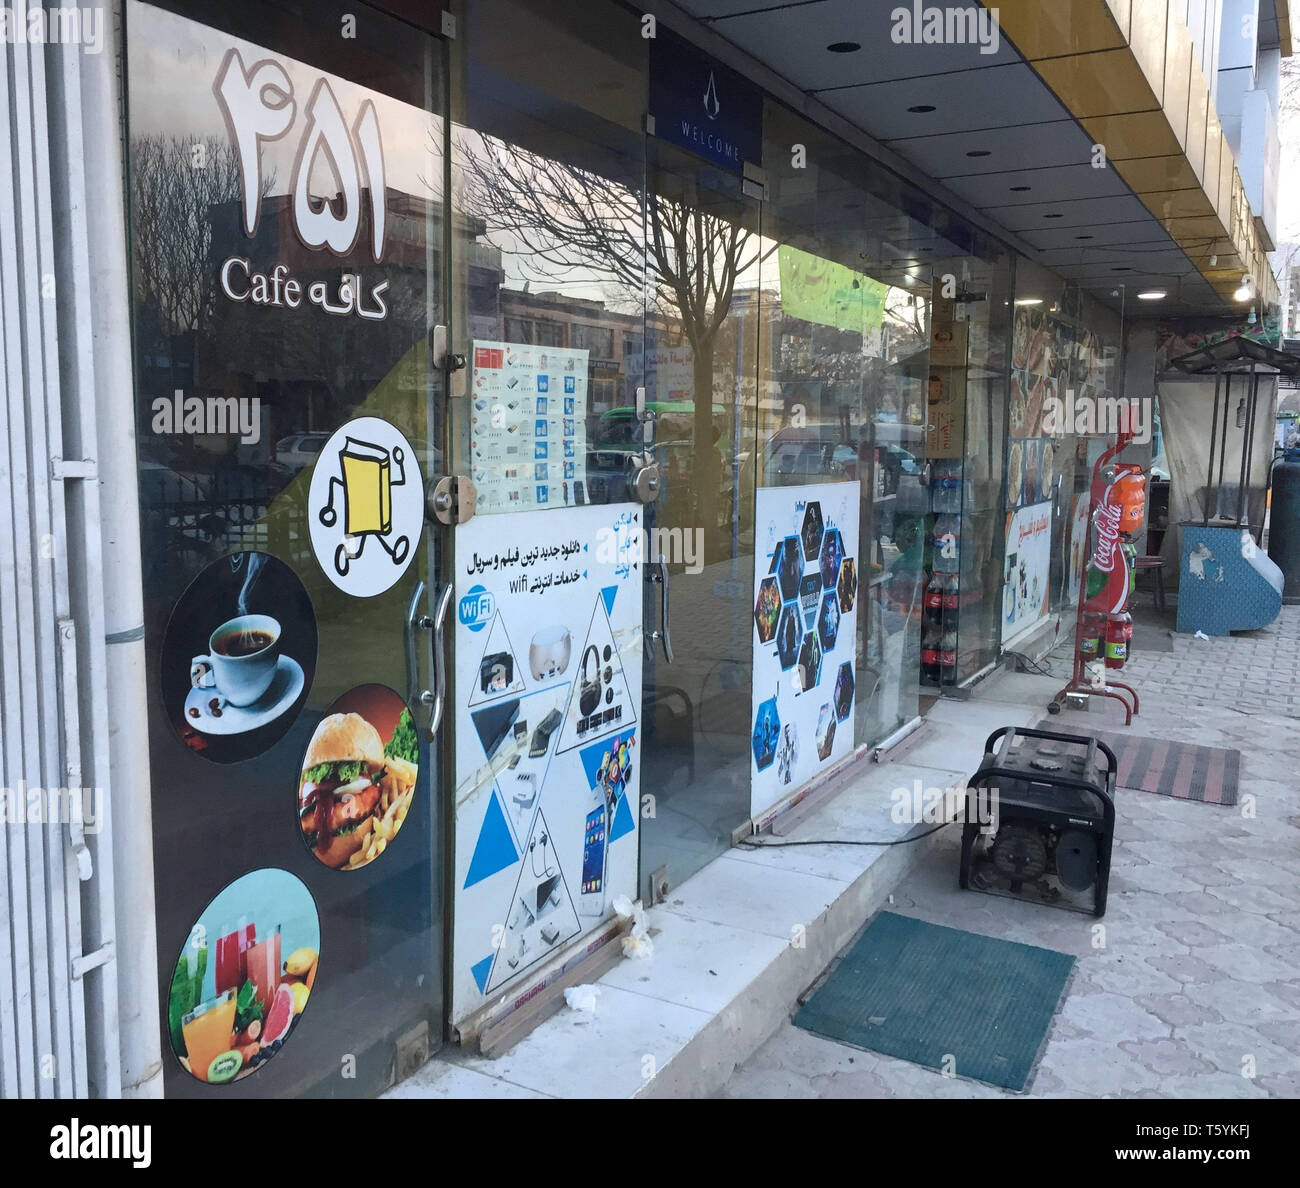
[437,698]
[659,574]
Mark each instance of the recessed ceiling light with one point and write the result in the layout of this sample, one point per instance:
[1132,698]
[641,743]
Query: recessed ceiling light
[922,108]
[979,153]
[1121,268]
[844,47]
[1053,216]
[1152,295]
[1085,237]
[1029,301]
[1019,189]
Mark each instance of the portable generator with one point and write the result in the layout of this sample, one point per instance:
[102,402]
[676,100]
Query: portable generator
[1040,819]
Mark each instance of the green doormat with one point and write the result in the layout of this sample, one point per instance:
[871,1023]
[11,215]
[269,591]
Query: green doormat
[923,992]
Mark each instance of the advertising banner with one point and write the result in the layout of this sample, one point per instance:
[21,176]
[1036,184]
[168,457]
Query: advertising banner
[1027,570]
[817,290]
[528,426]
[547,701]
[805,627]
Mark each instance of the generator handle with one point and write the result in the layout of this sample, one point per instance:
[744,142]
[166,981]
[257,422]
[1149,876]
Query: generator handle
[1055,736]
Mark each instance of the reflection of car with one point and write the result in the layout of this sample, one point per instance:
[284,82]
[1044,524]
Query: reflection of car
[299,449]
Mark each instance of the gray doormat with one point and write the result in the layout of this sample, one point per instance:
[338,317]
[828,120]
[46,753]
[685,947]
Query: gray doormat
[946,999]
[1184,771]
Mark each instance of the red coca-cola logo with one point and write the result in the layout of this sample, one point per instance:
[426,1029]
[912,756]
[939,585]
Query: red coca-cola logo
[1108,521]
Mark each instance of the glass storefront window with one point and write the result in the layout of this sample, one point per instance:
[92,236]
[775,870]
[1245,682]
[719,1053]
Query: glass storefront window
[287,230]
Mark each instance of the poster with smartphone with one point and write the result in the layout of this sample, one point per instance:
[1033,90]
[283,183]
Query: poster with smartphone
[547,700]
[805,628]
[528,425]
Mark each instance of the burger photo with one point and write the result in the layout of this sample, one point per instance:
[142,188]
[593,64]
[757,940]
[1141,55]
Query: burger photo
[353,797]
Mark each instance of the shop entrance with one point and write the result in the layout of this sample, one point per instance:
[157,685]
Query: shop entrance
[288,234]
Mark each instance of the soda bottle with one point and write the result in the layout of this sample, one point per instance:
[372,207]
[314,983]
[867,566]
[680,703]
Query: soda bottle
[1129,491]
[1092,628]
[1130,556]
[933,600]
[1119,628]
[946,543]
[930,653]
[951,592]
[948,657]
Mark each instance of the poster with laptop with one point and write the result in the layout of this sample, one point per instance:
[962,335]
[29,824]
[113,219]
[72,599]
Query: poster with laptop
[1026,570]
[805,628]
[547,699]
[528,426]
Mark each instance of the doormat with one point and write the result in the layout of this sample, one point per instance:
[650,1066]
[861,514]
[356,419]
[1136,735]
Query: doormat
[946,999]
[1184,771]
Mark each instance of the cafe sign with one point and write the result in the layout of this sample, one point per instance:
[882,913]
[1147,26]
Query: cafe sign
[259,104]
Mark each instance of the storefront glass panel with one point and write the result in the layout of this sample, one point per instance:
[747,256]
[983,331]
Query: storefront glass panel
[286,223]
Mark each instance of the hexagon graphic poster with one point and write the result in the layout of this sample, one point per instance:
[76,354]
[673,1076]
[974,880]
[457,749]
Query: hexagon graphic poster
[805,626]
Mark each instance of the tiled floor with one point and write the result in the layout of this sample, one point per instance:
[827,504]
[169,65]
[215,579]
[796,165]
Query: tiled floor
[1192,988]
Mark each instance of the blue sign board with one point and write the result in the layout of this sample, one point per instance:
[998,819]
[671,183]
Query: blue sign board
[702,106]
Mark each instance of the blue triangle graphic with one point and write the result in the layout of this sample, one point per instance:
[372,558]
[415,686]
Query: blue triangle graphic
[607,593]
[480,972]
[623,822]
[495,848]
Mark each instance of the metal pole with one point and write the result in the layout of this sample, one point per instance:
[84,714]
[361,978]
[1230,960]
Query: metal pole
[1245,437]
[1209,474]
[1242,510]
[128,755]
[1223,436]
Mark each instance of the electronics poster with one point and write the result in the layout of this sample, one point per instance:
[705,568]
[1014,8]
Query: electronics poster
[528,426]
[1027,570]
[805,628]
[548,700]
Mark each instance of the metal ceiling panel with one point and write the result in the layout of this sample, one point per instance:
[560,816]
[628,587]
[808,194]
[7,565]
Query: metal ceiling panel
[1043,146]
[793,41]
[1084,212]
[1043,185]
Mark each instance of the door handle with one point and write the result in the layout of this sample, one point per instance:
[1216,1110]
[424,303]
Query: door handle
[658,573]
[436,698]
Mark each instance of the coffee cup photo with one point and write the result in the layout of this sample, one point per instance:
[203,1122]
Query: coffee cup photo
[241,661]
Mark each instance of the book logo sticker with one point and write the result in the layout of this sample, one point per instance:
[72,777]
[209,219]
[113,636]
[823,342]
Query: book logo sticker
[366,488]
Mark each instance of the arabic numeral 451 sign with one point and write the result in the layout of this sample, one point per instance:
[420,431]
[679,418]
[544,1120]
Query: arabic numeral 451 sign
[259,104]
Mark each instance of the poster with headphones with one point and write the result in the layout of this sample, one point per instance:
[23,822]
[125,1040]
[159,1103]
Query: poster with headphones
[547,698]
[805,632]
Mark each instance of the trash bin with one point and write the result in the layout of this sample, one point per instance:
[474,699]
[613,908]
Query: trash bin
[1284,524]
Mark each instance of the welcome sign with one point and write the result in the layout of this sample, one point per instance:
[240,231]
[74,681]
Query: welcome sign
[700,105]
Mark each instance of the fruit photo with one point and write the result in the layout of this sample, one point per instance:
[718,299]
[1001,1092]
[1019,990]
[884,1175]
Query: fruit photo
[244,976]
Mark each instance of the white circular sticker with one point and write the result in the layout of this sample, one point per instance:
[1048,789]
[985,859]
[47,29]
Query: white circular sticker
[366,507]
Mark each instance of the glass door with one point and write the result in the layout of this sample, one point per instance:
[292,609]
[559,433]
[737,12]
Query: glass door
[287,225]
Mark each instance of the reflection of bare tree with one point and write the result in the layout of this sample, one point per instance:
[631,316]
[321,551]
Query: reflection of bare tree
[565,222]
[175,185]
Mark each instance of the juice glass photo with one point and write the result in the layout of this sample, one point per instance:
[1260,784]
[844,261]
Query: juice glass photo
[232,959]
[264,967]
[208,1030]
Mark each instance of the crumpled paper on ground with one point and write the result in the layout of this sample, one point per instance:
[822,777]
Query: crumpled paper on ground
[582,1000]
[637,943]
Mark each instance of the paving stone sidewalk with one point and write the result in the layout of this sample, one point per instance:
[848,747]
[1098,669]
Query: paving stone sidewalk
[1198,982]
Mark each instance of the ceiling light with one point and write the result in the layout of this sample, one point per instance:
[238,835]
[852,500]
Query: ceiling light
[1246,292]
[1019,189]
[1029,301]
[1121,268]
[844,47]
[1214,260]
[921,108]
[979,153]
[1085,237]
[1053,216]
[1152,295]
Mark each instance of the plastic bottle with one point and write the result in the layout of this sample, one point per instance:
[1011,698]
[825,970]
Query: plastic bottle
[930,653]
[946,543]
[1119,629]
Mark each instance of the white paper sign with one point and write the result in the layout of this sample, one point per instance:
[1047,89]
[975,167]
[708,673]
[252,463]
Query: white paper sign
[805,628]
[548,701]
[1027,569]
[528,426]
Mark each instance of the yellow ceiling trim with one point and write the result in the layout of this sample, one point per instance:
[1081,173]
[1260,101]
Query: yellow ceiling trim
[1126,70]
[1284,25]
